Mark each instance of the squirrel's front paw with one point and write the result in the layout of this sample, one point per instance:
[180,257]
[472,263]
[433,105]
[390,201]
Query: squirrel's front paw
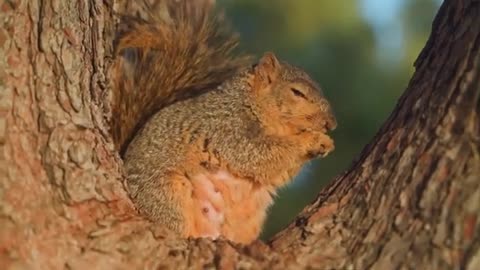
[322,146]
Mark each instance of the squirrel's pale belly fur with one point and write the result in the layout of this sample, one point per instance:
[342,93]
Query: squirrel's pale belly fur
[187,139]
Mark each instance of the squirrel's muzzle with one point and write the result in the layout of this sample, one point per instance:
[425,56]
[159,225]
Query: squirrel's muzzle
[327,117]
[322,122]
[330,122]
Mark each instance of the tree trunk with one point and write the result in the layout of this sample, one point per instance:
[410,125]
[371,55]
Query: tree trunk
[412,199]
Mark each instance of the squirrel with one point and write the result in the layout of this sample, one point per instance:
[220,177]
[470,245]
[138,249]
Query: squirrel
[207,137]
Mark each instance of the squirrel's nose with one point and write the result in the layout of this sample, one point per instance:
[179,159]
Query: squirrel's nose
[331,123]
[327,122]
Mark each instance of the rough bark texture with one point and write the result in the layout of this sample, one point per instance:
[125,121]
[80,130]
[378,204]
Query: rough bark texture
[412,200]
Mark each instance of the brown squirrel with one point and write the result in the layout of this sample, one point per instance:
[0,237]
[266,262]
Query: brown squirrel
[208,138]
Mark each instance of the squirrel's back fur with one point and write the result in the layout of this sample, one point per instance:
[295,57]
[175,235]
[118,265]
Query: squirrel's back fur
[168,58]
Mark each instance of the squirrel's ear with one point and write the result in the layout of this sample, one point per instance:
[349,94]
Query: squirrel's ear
[267,69]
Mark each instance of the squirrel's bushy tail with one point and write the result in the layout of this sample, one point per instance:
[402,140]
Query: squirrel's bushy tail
[180,52]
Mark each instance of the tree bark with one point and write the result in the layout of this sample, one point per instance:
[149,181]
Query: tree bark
[411,200]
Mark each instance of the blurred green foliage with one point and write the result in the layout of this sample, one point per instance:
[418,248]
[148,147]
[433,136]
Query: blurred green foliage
[340,48]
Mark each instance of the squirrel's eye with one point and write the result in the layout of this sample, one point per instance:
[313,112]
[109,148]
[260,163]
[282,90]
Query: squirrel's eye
[298,93]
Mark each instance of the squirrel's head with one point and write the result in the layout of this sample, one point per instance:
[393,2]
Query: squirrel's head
[291,98]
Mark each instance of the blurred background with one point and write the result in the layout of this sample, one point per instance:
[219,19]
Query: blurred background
[360,51]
